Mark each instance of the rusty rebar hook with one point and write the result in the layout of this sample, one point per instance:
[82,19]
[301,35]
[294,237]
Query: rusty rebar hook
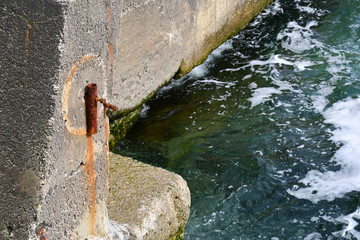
[91,100]
[106,105]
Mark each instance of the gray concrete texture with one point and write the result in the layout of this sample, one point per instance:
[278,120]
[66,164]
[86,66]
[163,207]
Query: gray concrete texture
[151,202]
[53,178]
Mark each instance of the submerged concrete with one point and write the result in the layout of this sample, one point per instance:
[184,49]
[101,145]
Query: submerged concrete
[53,176]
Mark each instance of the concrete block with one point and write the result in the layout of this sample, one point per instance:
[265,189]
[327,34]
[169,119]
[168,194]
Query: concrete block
[151,202]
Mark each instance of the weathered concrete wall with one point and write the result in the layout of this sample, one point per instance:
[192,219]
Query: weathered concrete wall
[160,38]
[29,59]
[54,177]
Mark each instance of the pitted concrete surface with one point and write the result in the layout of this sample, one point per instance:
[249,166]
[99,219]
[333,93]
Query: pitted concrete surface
[29,60]
[54,179]
[151,202]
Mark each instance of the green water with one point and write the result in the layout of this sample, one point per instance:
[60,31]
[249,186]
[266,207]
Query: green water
[265,132]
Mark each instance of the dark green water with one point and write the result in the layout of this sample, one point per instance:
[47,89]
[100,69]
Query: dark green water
[266,131]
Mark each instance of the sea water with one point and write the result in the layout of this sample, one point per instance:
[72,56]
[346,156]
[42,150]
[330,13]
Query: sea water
[266,131]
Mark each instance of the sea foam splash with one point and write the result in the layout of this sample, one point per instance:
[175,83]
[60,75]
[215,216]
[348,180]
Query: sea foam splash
[345,116]
[262,95]
[203,68]
[350,222]
[273,9]
[297,38]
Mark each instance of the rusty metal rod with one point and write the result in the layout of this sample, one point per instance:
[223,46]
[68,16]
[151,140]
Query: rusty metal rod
[91,108]
[107,105]
[91,100]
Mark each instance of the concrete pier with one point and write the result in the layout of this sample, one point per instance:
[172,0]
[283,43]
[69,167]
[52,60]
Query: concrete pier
[54,177]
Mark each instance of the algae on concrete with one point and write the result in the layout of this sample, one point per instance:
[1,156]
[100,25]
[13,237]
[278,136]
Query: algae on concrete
[120,127]
[6,234]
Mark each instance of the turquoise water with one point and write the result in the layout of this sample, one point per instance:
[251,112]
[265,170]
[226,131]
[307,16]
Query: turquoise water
[266,131]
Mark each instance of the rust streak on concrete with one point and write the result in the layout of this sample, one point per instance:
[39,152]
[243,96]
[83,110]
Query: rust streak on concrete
[90,171]
[111,61]
[27,39]
[27,42]
[107,134]
[41,234]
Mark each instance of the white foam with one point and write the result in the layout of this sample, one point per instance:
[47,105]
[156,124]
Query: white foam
[337,68]
[271,10]
[337,65]
[297,38]
[173,83]
[144,110]
[216,82]
[275,59]
[203,69]
[252,85]
[283,85]
[320,101]
[313,236]
[272,62]
[302,65]
[345,116]
[306,9]
[276,8]
[351,223]
[262,95]
[247,77]
[218,52]
[309,10]
[199,71]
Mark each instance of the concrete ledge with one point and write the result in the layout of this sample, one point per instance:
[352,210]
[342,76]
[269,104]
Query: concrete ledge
[151,202]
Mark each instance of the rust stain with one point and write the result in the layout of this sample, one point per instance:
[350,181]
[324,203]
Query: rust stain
[107,135]
[111,61]
[27,42]
[90,171]
[41,234]
[109,9]
[65,107]
[27,39]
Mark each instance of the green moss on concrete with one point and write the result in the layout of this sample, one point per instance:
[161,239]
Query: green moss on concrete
[179,235]
[121,126]
[6,233]
[122,121]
